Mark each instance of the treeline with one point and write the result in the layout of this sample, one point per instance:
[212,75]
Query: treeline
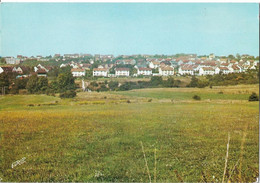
[249,77]
[64,84]
[155,82]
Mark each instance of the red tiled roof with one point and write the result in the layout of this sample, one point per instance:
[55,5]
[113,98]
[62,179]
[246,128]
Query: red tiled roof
[208,68]
[122,69]
[7,68]
[41,71]
[223,68]
[144,69]
[77,70]
[167,68]
[99,69]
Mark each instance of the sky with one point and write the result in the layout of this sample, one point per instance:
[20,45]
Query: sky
[32,29]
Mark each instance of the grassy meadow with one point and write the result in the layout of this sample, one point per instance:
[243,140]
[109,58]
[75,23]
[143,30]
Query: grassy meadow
[157,135]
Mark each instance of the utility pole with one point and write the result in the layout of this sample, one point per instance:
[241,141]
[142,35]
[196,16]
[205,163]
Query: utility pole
[3,89]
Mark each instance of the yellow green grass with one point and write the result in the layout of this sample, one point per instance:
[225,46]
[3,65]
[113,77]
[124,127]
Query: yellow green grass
[97,136]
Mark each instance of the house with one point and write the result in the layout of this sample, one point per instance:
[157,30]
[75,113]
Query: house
[130,61]
[206,71]
[85,66]
[63,65]
[100,72]
[211,56]
[235,69]
[122,71]
[209,64]
[186,69]
[166,71]
[154,64]
[20,69]
[78,72]
[144,71]
[41,72]
[56,55]
[223,70]
[12,60]
[39,66]
[6,69]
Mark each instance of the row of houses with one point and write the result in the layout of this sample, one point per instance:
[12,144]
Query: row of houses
[123,72]
[169,68]
[24,71]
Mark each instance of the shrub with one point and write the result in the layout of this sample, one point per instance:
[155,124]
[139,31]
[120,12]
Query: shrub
[253,97]
[150,100]
[68,94]
[113,85]
[103,88]
[196,97]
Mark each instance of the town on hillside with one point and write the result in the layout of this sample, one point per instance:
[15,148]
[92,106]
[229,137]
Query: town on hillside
[130,65]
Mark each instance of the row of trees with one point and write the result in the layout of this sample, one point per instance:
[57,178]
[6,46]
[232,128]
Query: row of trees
[155,82]
[249,77]
[63,84]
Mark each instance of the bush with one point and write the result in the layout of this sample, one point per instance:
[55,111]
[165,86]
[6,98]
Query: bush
[150,100]
[253,97]
[68,94]
[196,97]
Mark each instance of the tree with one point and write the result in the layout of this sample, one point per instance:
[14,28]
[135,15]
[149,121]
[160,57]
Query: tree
[113,85]
[196,97]
[19,84]
[54,72]
[194,82]
[169,82]
[68,94]
[88,73]
[231,57]
[42,84]
[32,83]
[253,97]
[155,70]
[156,80]
[238,56]
[2,60]
[65,82]
[4,81]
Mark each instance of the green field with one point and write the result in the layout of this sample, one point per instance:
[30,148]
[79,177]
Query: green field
[98,136]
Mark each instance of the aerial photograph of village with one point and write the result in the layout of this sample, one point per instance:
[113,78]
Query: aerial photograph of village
[129,92]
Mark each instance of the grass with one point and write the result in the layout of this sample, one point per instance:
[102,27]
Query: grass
[218,93]
[72,141]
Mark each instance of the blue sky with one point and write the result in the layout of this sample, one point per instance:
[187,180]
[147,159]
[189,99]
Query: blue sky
[129,28]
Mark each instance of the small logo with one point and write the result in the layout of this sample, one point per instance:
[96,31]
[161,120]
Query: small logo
[18,162]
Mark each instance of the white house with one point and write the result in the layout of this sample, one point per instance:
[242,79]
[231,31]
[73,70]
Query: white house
[235,69]
[39,66]
[186,69]
[63,65]
[77,72]
[18,70]
[206,71]
[6,69]
[100,72]
[166,71]
[12,60]
[154,64]
[223,70]
[144,71]
[122,71]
